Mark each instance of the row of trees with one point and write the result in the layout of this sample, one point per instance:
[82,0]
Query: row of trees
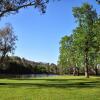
[17,66]
[82,48]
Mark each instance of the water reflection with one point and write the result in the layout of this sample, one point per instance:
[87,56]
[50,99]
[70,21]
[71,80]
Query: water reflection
[25,76]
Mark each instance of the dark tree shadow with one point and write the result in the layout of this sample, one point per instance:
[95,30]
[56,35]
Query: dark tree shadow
[57,83]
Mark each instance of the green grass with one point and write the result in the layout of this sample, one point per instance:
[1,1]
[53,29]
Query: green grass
[51,88]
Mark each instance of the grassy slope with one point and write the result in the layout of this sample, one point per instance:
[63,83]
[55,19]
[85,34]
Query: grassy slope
[50,88]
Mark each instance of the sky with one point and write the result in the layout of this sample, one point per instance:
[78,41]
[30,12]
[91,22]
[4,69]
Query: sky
[39,34]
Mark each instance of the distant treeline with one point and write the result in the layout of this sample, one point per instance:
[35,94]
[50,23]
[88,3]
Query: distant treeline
[17,65]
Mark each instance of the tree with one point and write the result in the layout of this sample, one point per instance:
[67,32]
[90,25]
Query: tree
[68,55]
[64,44]
[13,6]
[82,48]
[96,54]
[8,7]
[7,42]
[86,17]
[98,1]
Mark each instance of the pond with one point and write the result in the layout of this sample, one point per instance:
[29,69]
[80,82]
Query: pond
[25,76]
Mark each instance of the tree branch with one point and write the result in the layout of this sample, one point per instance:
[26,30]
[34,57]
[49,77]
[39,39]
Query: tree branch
[23,6]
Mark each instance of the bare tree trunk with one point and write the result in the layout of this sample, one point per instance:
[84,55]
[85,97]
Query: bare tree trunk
[3,57]
[86,72]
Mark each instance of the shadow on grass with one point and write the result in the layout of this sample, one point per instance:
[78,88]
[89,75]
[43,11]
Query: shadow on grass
[57,83]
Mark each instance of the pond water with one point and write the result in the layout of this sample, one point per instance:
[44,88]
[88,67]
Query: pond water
[26,76]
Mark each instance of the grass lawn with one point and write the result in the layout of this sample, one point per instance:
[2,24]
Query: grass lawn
[51,88]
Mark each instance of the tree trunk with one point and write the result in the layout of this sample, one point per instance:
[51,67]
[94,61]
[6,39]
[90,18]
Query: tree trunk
[77,71]
[96,71]
[86,69]
[86,64]
[74,71]
[86,72]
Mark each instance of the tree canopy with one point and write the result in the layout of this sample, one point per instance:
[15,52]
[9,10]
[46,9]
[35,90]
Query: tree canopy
[13,6]
[8,7]
[82,48]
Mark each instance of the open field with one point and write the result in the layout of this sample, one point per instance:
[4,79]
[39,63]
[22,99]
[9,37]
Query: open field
[51,88]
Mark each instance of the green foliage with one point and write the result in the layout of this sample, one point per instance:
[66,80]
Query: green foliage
[16,65]
[8,7]
[82,48]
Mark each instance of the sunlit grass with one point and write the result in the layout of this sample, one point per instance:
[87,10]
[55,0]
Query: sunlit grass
[51,88]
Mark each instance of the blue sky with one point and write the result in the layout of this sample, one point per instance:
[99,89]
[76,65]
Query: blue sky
[39,35]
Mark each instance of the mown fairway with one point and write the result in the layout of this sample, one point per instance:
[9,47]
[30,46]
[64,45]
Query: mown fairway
[50,88]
